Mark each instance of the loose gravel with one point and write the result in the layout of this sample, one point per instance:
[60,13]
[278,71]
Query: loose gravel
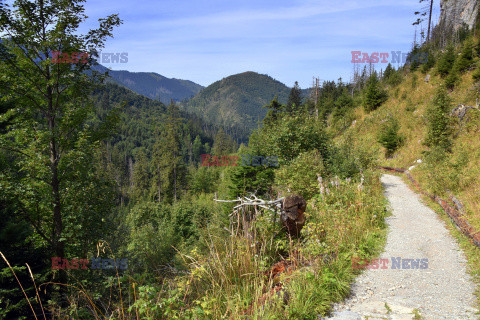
[443,290]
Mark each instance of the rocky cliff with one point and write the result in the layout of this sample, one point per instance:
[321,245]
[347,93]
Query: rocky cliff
[454,13]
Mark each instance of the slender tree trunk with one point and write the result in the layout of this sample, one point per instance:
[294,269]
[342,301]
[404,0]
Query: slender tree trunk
[175,182]
[159,190]
[429,20]
[59,247]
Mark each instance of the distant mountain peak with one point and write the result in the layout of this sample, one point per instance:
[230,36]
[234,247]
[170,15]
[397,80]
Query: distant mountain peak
[238,99]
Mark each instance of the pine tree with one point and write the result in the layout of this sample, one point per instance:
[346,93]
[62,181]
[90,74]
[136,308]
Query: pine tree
[422,14]
[389,137]
[430,61]
[446,62]
[294,99]
[275,108]
[170,170]
[466,57]
[374,94]
[141,175]
[197,149]
[388,72]
[439,122]
[222,144]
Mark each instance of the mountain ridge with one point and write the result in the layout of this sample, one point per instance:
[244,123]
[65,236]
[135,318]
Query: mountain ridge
[238,99]
[153,85]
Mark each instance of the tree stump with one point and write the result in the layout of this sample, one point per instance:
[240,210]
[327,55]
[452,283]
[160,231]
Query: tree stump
[293,214]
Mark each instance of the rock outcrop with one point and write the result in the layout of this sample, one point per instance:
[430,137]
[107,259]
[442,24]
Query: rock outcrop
[453,13]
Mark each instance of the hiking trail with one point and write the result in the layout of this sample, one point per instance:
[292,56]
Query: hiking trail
[443,290]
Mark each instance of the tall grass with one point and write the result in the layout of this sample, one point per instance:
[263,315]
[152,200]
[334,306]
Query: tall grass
[257,272]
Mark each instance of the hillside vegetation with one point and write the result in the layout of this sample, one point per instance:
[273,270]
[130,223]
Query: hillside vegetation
[238,99]
[96,171]
[153,85]
[409,104]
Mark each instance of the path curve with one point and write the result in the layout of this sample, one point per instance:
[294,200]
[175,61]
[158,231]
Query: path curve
[443,290]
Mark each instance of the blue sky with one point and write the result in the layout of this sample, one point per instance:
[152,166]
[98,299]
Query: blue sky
[207,40]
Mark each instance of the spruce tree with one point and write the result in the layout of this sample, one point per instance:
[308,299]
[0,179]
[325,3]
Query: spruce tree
[388,72]
[439,122]
[446,62]
[197,149]
[275,108]
[222,144]
[389,137]
[374,94]
[294,99]
[466,57]
[141,175]
[169,166]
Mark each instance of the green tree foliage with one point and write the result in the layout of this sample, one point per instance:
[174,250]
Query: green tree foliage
[157,230]
[249,179]
[476,73]
[391,76]
[451,80]
[414,58]
[58,192]
[343,113]
[197,149]
[203,179]
[222,144]
[446,61]
[430,63]
[439,132]
[17,244]
[141,175]
[375,96]
[389,136]
[289,136]
[300,175]
[275,109]
[294,99]
[327,97]
[389,70]
[170,169]
[465,59]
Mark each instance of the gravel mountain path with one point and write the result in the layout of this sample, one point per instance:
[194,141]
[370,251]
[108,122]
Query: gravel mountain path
[441,290]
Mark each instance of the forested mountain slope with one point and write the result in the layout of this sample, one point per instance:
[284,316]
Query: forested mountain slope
[238,99]
[154,85]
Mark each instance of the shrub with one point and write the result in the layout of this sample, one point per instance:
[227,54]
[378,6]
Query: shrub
[476,73]
[414,81]
[429,63]
[248,179]
[451,80]
[300,176]
[375,96]
[203,179]
[446,62]
[439,122]
[389,137]
[348,160]
[466,57]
